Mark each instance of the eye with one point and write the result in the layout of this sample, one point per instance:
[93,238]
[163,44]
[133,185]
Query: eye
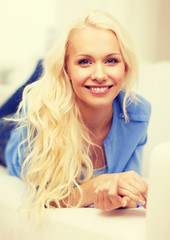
[112,60]
[84,62]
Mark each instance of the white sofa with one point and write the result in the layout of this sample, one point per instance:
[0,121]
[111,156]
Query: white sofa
[154,85]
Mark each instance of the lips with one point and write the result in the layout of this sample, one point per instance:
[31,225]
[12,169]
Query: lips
[99,88]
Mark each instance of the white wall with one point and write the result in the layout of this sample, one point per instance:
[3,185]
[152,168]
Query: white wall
[27,26]
[24,25]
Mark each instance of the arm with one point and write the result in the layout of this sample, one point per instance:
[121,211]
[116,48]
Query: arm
[11,105]
[122,187]
[131,187]
[109,191]
[14,152]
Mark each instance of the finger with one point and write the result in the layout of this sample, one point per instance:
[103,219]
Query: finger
[141,188]
[133,182]
[129,202]
[108,205]
[113,187]
[106,197]
[111,198]
[115,199]
[96,199]
[140,184]
[125,201]
[136,198]
[99,203]
[131,191]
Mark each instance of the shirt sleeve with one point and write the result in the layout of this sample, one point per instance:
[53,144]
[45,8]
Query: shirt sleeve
[15,151]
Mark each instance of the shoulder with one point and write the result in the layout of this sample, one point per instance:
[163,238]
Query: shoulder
[138,108]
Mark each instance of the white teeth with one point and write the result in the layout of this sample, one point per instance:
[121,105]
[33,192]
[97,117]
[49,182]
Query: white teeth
[99,89]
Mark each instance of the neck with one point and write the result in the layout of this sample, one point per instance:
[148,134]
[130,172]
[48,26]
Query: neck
[98,120]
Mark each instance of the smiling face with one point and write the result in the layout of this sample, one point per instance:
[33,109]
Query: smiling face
[95,67]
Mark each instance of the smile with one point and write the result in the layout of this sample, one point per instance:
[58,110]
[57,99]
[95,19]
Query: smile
[98,89]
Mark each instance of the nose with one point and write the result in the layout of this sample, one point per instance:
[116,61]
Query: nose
[99,73]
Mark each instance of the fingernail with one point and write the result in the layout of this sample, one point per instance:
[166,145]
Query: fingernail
[124,203]
[142,202]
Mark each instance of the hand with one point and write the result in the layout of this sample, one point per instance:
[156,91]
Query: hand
[120,190]
[132,185]
[106,196]
[111,191]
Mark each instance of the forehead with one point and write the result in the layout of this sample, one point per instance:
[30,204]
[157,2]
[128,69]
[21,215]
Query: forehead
[91,40]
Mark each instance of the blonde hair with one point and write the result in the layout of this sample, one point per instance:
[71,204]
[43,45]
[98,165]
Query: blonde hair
[57,138]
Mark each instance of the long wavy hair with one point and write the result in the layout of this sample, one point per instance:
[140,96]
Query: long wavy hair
[58,142]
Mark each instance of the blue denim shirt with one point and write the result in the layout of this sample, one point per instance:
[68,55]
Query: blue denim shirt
[123,145]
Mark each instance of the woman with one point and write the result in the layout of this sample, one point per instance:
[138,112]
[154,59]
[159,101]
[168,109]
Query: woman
[81,128]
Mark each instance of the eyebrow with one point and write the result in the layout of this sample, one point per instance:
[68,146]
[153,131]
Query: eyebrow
[87,55]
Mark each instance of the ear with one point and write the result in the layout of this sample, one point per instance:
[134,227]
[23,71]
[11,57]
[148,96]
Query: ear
[126,69]
[65,65]
[65,68]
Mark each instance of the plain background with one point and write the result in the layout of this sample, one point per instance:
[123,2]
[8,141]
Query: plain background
[28,28]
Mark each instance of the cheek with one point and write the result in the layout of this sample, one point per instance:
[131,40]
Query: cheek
[118,75]
[78,76]
[75,79]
